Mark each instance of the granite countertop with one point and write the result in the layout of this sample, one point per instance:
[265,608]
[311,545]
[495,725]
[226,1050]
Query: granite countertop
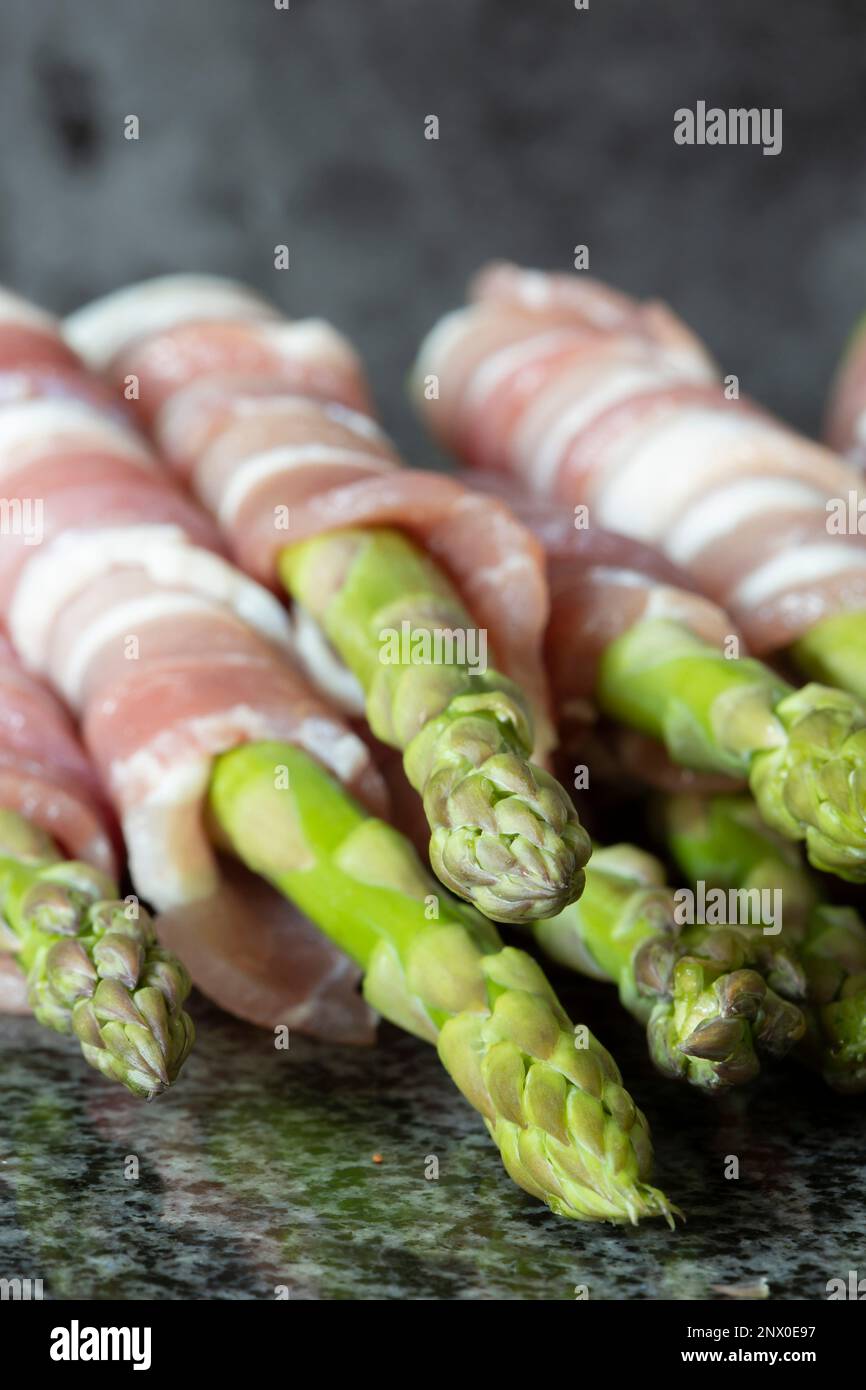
[258,1172]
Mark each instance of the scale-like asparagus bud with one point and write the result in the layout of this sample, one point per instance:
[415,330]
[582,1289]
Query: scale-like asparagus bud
[712,998]
[723,841]
[551,1096]
[93,964]
[505,836]
[804,751]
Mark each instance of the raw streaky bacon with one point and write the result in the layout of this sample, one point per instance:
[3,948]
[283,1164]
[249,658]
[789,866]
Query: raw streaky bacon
[28,338]
[307,358]
[44,773]
[579,299]
[170,656]
[262,960]
[601,584]
[632,420]
[303,447]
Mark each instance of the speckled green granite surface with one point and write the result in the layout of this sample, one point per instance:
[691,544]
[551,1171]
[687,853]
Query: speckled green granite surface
[257,1172]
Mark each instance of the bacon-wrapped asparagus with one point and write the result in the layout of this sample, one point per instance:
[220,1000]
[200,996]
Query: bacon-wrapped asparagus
[270,422]
[169,656]
[589,399]
[85,962]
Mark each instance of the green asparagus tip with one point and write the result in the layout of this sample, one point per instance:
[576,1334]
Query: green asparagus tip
[505,836]
[714,1014]
[813,785]
[95,969]
[834,952]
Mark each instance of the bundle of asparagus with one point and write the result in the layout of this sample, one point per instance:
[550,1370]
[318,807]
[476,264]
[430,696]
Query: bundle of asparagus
[551,1095]
[595,399]
[255,447]
[271,423]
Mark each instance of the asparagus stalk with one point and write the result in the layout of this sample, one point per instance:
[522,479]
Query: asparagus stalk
[712,1000]
[834,651]
[803,751]
[505,836]
[723,842]
[551,1097]
[92,961]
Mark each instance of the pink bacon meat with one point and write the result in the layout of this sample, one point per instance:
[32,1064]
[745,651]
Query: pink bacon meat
[295,451]
[587,397]
[45,775]
[170,656]
[602,584]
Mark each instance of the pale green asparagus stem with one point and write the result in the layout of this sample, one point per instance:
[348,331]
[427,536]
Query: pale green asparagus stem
[722,841]
[834,651]
[551,1096]
[803,751]
[505,836]
[703,992]
[93,964]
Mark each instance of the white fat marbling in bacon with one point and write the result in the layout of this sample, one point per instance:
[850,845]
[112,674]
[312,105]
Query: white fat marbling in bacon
[99,330]
[29,338]
[91,560]
[306,356]
[601,584]
[558,298]
[635,425]
[37,427]
[301,455]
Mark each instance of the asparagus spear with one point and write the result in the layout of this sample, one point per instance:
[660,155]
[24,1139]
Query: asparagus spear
[803,751]
[92,962]
[505,835]
[711,998]
[722,841]
[552,1098]
[834,651]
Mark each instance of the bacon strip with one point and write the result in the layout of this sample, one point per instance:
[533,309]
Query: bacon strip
[270,422]
[45,775]
[587,397]
[602,584]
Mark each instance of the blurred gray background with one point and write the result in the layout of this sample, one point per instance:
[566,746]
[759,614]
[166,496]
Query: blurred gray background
[306,127]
